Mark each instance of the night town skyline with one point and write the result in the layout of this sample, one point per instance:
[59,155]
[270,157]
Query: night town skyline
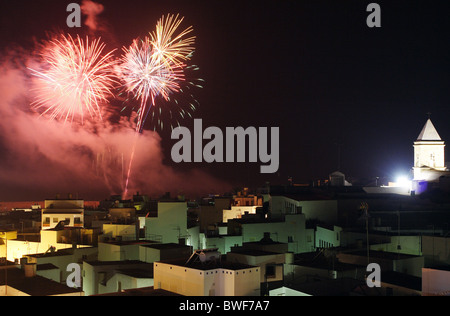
[315,70]
[232,151]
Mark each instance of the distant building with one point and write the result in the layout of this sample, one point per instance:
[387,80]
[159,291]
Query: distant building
[116,250]
[170,224]
[388,261]
[70,212]
[429,154]
[337,179]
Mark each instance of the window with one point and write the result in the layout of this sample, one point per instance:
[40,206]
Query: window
[270,271]
[47,220]
[55,219]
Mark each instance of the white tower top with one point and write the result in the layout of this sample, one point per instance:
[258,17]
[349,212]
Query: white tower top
[429,132]
[429,154]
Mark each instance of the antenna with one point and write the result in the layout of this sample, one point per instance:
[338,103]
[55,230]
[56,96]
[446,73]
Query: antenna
[338,144]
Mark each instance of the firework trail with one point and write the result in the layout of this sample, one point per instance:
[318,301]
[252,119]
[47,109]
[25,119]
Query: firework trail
[155,67]
[74,78]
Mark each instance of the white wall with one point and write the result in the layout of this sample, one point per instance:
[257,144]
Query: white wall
[293,228]
[122,282]
[126,232]
[323,210]
[285,291]
[223,243]
[261,261]
[435,282]
[170,224]
[19,248]
[117,252]
[326,238]
[214,282]
[410,245]
[237,212]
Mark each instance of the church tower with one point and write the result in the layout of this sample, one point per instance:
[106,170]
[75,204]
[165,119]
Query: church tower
[429,156]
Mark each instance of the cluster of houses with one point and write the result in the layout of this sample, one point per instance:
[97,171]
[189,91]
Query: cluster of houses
[267,243]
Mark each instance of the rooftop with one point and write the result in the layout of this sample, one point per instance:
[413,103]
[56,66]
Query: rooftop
[208,265]
[320,261]
[34,286]
[256,252]
[129,242]
[402,279]
[144,291]
[429,132]
[166,246]
[112,263]
[381,254]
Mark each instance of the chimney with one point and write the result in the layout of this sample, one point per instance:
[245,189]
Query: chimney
[29,269]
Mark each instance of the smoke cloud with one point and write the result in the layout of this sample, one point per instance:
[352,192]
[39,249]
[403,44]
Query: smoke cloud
[40,157]
[92,10]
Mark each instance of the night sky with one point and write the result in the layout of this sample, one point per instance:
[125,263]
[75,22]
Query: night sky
[312,68]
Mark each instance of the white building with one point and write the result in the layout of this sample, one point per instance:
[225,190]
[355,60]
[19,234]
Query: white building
[237,212]
[156,252]
[100,277]
[207,278]
[288,229]
[120,250]
[323,210]
[69,211]
[327,237]
[429,154]
[170,225]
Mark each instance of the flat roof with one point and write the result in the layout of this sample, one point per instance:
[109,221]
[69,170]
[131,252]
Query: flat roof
[380,254]
[143,291]
[402,279]
[36,285]
[256,253]
[208,265]
[128,242]
[116,262]
[166,246]
[46,266]
[318,260]
[138,273]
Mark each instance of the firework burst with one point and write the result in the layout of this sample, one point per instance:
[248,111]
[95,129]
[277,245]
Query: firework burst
[74,78]
[179,106]
[155,66]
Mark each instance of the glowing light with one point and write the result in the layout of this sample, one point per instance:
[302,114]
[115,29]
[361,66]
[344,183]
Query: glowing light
[74,78]
[403,181]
